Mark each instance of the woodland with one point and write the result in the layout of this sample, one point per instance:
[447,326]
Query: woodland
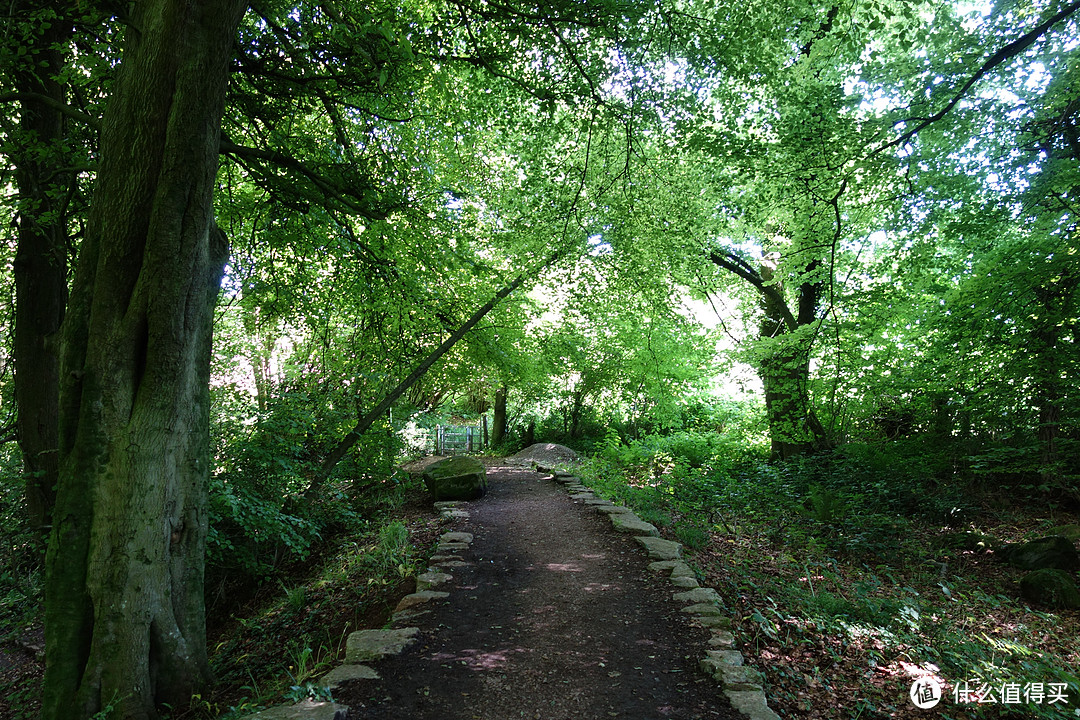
[798,279]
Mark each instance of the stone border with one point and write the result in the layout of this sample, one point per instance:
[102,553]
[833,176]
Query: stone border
[366,646]
[741,683]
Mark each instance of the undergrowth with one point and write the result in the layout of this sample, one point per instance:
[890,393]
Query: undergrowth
[851,573]
[272,633]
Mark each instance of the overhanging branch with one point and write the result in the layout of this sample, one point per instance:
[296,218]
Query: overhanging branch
[365,422]
[739,267]
[1001,56]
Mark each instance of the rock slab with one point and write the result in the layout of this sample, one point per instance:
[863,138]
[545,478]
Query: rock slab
[1055,552]
[1051,587]
[347,672]
[306,710]
[632,524]
[660,549]
[456,478]
[365,645]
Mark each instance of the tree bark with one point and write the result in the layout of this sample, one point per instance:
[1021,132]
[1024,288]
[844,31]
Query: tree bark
[124,615]
[40,266]
[498,425]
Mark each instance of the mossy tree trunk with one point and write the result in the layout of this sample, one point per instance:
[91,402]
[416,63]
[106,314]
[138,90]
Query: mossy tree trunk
[784,368]
[124,615]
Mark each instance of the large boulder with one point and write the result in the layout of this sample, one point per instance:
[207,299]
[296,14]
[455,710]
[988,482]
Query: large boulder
[1048,552]
[1053,588]
[456,478]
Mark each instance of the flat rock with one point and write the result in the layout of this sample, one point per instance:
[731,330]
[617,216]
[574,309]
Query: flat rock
[598,501]
[660,549]
[663,566]
[712,622]
[722,639]
[456,537]
[409,617]
[306,710]
[419,598]
[365,645]
[454,514]
[451,546]
[697,595]
[428,580]
[751,703]
[702,609]
[726,657]
[629,523]
[681,569]
[448,504]
[739,677]
[347,672]
[684,582]
[611,509]
[455,563]
[582,496]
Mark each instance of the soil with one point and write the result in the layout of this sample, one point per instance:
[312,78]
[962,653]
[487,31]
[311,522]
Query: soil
[554,617]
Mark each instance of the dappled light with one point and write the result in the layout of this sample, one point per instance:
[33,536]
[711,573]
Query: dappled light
[563,567]
[480,660]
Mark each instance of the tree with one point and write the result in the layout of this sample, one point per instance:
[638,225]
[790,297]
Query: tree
[41,259]
[124,595]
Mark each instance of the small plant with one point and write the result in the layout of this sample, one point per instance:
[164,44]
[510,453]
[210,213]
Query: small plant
[295,597]
[309,691]
[824,505]
[692,536]
[301,668]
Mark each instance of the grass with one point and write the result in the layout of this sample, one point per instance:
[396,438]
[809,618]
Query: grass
[848,578]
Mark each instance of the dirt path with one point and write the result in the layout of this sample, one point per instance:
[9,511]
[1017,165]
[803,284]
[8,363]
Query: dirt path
[553,616]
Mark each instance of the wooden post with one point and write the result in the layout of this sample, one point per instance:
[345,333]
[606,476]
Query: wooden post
[483,423]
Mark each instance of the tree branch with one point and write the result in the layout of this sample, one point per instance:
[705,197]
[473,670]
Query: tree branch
[288,162]
[1003,55]
[365,422]
[736,265]
[53,103]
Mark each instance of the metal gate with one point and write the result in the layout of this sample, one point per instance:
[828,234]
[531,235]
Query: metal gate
[459,439]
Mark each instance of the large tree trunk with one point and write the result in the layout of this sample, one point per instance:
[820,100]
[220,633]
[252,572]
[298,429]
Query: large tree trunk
[124,614]
[784,369]
[785,373]
[40,266]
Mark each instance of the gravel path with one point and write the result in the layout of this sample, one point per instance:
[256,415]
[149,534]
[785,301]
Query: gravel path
[550,615]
